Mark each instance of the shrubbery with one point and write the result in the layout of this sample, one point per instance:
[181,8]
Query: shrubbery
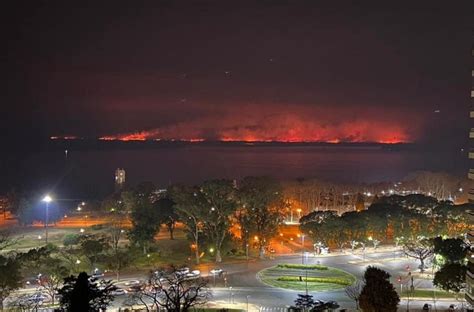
[302,266]
[328,280]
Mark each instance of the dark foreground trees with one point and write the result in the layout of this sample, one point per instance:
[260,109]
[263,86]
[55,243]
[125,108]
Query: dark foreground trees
[378,294]
[82,293]
[10,277]
[305,303]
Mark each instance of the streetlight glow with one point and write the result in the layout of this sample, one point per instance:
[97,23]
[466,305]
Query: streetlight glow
[47,199]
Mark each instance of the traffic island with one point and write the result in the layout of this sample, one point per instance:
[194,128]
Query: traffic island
[302,277]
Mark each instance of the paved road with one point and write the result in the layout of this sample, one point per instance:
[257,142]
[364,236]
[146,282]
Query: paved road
[242,277]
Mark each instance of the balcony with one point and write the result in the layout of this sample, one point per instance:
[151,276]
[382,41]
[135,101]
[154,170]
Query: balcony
[470,196]
[470,174]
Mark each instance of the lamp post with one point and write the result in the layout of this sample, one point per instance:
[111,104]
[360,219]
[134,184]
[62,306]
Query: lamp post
[247,303]
[47,199]
[302,249]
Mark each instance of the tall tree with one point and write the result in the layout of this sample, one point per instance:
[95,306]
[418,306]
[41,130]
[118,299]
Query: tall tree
[451,277]
[117,214]
[83,293]
[452,249]
[166,208]
[188,208]
[53,273]
[219,204]
[353,292]
[145,222]
[378,294]
[118,260]
[262,197]
[420,249]
[93,247]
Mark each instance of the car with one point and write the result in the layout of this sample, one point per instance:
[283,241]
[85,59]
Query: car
[33,281]
[324,250]
[135,288]
[182,271]
[193,274]
[37,298]
[133,283]
[119,292]
[97,274]
[216,272]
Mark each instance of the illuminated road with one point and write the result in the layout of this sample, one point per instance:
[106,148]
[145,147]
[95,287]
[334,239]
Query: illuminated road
[242,277]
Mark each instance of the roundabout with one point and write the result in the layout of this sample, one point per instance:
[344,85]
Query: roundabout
[300,277]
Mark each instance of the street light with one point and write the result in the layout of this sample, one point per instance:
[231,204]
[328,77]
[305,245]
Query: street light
[247,302]
[302,249]
[47,199]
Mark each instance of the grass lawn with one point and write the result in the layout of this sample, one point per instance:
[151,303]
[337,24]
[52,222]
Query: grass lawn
[294,277]
[428,293]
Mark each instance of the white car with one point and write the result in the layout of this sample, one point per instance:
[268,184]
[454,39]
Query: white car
[193,274]
[133,283]
[182,271]
[119,292]
[216,271]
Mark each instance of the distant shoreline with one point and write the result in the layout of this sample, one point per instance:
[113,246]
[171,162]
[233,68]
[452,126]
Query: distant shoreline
[87,144]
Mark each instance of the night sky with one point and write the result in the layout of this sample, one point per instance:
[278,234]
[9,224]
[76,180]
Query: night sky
[265,71]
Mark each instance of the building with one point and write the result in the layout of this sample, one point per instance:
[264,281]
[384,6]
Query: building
[119,178]
[470,234]
[471,135]
[470,264]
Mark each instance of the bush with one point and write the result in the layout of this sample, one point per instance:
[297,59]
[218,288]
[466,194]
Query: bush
[328,280]
[302,266]
[71,239]
[98,227]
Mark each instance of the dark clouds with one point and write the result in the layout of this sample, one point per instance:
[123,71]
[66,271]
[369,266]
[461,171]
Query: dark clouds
[264,71]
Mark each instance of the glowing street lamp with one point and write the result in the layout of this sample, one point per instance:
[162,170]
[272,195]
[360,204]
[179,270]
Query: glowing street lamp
[47,199]
[299,213]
